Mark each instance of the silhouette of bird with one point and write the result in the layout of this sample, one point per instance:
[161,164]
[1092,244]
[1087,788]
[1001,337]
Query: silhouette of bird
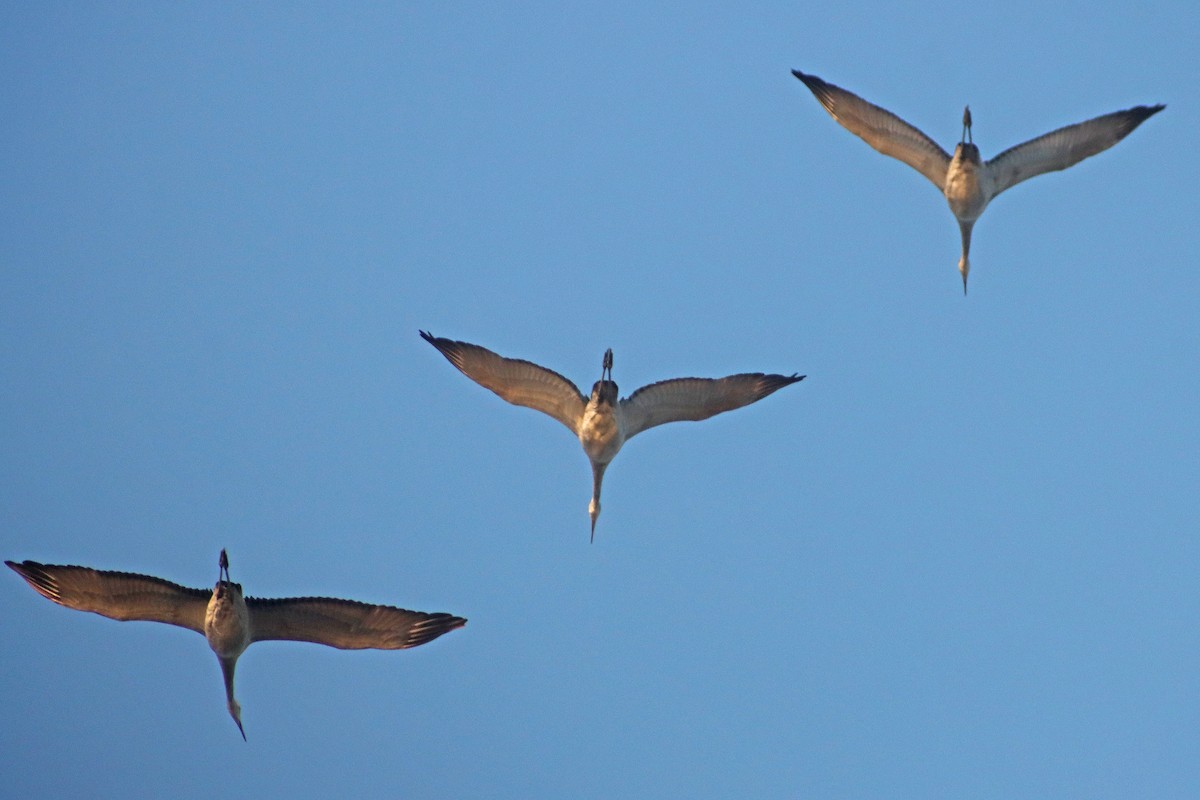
[602,423]
[969,183]
[229,621]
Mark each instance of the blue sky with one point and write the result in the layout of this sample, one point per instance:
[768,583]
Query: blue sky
[958,561]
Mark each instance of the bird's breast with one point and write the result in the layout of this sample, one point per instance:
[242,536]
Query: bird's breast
[967,191]
[600,433]
[227,625]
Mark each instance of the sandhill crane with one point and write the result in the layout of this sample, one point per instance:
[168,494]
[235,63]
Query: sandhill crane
[229,621]
[969,183]
[602,423]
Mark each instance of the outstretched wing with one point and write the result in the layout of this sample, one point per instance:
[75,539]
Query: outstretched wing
[1065,147]
[118,595]
[881,129]
[696,398]
[521,383]
[345,624]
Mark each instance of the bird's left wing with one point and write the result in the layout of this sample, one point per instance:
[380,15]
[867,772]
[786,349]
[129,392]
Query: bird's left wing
[117,595]
[345,624]
[696,398]
[520,382]
[881,129]
[1065,147]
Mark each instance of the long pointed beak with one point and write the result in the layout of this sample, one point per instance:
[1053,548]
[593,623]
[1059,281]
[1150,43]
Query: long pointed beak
[594,505]
[240,728]
[964,285]
[235,710]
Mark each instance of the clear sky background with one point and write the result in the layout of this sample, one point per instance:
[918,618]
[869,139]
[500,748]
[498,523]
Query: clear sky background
[960,560]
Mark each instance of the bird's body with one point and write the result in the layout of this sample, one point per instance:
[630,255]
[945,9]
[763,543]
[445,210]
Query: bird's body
[969,187]
[967,182]
[600,432]
[602,422]
[230,621]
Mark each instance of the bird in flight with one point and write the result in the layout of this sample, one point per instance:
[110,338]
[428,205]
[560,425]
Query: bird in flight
[602,423]
[229,621]
[968,182]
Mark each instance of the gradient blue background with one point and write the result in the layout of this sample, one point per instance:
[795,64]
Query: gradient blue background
[960,560]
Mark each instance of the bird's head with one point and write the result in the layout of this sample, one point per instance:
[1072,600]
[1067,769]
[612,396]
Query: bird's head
[594,513]
[235,711]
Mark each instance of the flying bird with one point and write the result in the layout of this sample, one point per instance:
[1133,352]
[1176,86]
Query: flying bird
[602,423]
[230,621]
[968,182]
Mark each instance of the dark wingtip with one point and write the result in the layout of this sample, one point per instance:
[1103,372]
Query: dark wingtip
[821,90]
[1135,116]
[769,384]
[37,577]
[449,349]
[24,568]
[437,341]
[1143,113]
[432,627]
[811,81]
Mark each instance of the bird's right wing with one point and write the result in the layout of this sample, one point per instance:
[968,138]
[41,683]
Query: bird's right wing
[881,129]
[681,399]
[1066,146]
[521,383]
[117,595]
[346,624]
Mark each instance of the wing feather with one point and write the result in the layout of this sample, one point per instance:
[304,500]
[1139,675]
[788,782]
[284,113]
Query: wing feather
[345,624]
[118,595]
[881,129]
[521,383]
[682,399]
[1065,147]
